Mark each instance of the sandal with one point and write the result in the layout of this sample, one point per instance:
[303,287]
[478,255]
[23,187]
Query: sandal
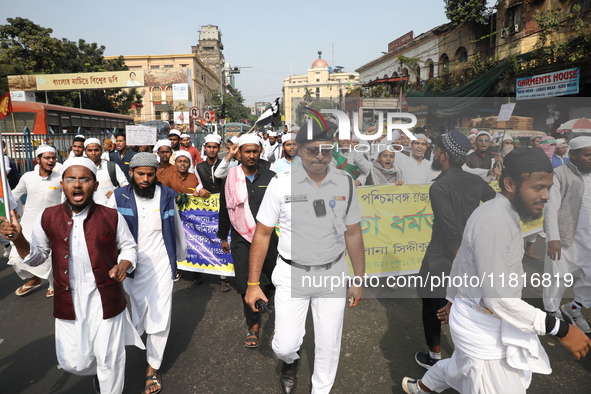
[225,285]
[24,289]
[50,293]
[156,380]
[253,342]
[533,256]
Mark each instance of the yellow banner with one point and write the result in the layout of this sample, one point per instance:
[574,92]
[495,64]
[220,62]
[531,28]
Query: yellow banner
[98,80]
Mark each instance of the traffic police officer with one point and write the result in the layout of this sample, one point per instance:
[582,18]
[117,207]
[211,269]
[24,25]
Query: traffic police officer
[318,214]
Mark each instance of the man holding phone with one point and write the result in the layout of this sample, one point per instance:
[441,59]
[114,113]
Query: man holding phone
[318,214]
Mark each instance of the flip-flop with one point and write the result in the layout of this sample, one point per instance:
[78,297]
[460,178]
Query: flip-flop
[533,256]
[24,289]
[156,380]
[50,293]
[249,336]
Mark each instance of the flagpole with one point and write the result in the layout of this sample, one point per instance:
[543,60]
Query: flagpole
[4,184]
[13,122]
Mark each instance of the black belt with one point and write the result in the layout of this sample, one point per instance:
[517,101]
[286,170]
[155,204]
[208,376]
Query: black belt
[308,267]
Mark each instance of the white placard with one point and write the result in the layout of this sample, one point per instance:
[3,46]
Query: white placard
[181,117]
[141,135]
[550,121]
[505,112]
[180,91]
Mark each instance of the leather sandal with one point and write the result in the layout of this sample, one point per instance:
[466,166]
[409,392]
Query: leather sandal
[156,381]
[249,338]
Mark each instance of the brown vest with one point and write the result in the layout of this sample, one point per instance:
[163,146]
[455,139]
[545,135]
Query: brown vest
[100,233]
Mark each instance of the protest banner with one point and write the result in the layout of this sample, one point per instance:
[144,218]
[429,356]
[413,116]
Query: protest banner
[141,135]
[204,249]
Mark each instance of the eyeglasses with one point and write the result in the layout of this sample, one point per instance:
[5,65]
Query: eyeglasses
[326,151]
[48,158]
[481,141]
[82,181]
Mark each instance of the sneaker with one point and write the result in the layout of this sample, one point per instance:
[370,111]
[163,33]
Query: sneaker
[178,276]
[425,360]
[411,386]
[556,314]
[575,317]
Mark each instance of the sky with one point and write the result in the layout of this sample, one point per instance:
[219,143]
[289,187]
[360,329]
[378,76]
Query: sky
[276,38]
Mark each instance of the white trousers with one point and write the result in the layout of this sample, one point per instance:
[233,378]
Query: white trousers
[102,355]
[328,309]
[155,345]
[474,376]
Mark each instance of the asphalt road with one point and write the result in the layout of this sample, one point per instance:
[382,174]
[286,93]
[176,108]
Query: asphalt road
[205,352]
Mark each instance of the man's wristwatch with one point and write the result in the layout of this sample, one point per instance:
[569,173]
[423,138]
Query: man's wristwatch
[224,240]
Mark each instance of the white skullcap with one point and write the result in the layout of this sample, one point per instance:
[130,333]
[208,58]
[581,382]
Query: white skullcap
[175,132]
[234,140]
[162,143]
[421,136]
[483,133]
[80,136]
[248,139]
[213,138]
[92,141]
[473,131]
[79,161]
[288,136]
[561,143]
[272,134]
[185,136]
[472,136]
[507,137]
[295,128]
[395,135]
[580,142]
[44,148]
[179,153]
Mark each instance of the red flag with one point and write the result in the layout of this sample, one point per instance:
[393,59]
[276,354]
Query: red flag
[5,106]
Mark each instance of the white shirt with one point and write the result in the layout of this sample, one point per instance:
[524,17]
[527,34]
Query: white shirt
[105,156]
[41,192]
[283,164]
[105,184]
[273,151]
[492,248]
[306,238]
[413,172]
[222,170]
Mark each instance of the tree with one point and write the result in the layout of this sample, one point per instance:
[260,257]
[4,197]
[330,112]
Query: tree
[462,11]
[232,107]
[27,48]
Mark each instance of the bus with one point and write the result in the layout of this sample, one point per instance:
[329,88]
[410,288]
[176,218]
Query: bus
[43,118]
[234,129]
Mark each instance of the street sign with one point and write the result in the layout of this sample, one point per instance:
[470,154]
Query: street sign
[209,116]
[195,112]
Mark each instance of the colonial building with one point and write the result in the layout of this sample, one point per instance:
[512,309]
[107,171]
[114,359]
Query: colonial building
[320,82]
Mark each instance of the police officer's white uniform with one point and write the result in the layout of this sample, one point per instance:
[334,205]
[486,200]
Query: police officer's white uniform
[314,245]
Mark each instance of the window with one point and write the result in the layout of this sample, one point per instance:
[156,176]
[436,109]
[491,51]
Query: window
[158,115]
[461,55]
[513,19]
[431,68]
[154,67]
[184,65]
[317,79]
[168,66]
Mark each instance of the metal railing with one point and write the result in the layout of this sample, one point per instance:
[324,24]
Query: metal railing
[21,147]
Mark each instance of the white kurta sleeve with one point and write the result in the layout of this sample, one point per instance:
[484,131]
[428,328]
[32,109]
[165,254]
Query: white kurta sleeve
[222,170]
[39,245]
[551,212]
[125,243]
[121,178]
[20,189]
[181,240]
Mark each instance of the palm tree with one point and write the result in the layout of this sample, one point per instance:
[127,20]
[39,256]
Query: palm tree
[307,94]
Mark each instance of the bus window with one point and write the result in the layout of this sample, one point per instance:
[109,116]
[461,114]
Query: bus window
[21,120]
[76,121]
[86,121]
[65,118]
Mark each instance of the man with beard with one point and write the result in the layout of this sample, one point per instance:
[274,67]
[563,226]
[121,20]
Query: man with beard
[164,151]
[290,157]
[494,331]
[568,229]
[416,170]
[151,214]
[91,252]
[273,148]
[122,155]
[454,195]
[481,162]
[240,200]
[43,189]
[318,214]
[108,174]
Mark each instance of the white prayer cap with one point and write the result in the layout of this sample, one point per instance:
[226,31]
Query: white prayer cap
[288,136]
[471,136]
[213,138]
[561,143]
[234,140]
[483,133]
[180,153]
[507,137]
[92,141]
[175,132]
[248,139]
[421,136]
[429,140]
[395,135]
[473,131]
[44,148]
[185,136]
[580,142]
[162,143]
[79,161]
[80,136]
[272,134]
[295,128]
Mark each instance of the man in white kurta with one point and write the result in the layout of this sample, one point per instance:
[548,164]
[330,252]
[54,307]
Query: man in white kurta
[150,288]
[416,170]
[88,344]
[93,149]
[493,330]
[43,189]
[568,229]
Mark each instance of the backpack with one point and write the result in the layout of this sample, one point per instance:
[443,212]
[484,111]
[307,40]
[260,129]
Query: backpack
[112,173]
[13,175]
